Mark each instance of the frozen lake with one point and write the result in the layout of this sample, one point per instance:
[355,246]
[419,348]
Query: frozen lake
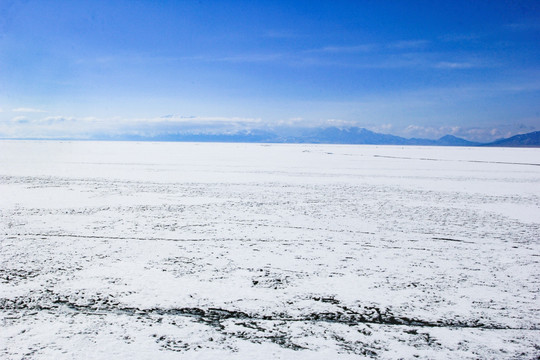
[153,250]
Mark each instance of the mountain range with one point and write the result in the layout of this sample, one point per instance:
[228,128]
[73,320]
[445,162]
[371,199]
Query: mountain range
[331,135]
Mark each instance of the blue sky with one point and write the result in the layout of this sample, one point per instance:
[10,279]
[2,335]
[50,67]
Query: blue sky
[410,68]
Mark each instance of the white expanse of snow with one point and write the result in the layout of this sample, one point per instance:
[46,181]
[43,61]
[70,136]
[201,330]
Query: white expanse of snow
[153,250]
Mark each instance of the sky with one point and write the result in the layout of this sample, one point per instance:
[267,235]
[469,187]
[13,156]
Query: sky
[410,68]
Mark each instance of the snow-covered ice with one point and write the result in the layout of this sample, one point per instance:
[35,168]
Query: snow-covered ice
[153,250]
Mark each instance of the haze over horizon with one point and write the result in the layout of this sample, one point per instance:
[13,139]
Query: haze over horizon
[423,69]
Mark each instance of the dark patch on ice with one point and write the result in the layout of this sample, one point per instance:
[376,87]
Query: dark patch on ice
[172,344]
[16,275]
[215,316]
[450,239]
[270,279]
[284,341]
[357,347]
[330,300]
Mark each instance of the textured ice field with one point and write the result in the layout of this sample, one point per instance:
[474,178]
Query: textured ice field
[249,251]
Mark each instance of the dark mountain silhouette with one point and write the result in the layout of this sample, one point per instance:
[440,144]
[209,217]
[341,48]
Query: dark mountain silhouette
[451,140]
[354,135]
[524,140]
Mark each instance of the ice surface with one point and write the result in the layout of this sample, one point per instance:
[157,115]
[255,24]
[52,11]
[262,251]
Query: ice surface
[151,250]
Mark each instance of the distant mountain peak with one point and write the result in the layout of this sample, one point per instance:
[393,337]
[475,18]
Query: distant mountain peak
[531,139]
[449,137]
[451,140]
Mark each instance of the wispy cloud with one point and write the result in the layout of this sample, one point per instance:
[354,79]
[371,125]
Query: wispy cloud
[344,49]
[252,58]
[460,37]
[200,119]
[313,58]
[381,128]
[301,122]
[319,56]
[382,55]
[28,110]
[408,44]
[20,120]
[393,55]
[525,26]
[58,119]
[372,47]
[87,127]
[281,34]
[173,116]
[454,65]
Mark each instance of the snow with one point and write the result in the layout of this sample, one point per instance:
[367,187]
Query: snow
[151,250]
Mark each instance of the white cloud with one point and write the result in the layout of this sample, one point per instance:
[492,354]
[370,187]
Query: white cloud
[56,120]
[454,65]
[252,58]
[20,120]
[382,128]
[365,48]
[281,34]
[344,49]
[460,37]
[28,110]
[87,127]
[524,26]
[423,131]
[339,123]
[199,119]
[408,44]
